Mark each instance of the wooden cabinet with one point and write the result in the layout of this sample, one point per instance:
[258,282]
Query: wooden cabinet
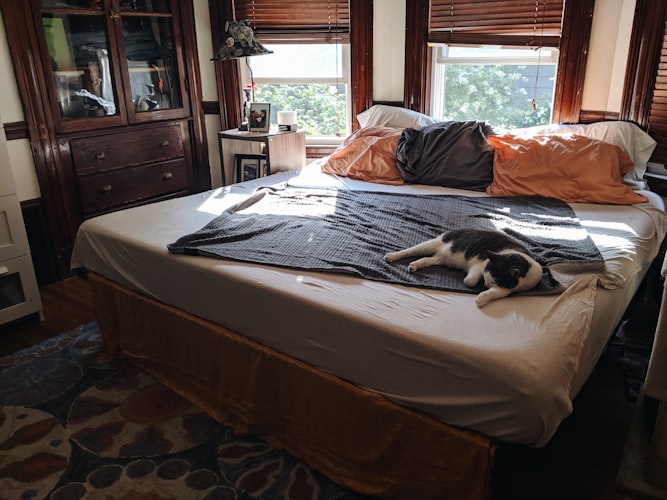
[112,62]
[130,166]
[113,102]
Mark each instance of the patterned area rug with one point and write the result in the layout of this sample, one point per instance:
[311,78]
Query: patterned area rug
[76,423]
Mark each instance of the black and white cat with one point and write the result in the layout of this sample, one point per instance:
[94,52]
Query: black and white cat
[504,264]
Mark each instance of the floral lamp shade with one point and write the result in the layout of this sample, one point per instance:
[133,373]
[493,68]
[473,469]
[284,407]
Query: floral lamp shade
[239,41]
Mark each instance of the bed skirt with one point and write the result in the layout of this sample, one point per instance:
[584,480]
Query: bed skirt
[355,437]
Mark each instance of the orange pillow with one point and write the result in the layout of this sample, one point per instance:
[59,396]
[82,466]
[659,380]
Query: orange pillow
[572,168]
[369,154]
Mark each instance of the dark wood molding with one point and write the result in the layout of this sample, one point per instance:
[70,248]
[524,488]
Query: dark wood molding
[389,103]
[319,151]
[575,38]
[643,58]
[589,116]
[201,169]
[211,107]
[361,57]
[417,56]
[16,130]
[227,75]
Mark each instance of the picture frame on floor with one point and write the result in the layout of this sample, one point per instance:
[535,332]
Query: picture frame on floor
[250,166]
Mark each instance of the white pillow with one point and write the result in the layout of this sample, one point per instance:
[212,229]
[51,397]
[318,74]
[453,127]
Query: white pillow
[381,115]
[627,135]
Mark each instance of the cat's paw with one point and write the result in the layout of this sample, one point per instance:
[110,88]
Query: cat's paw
[390,257]
[483,299]
[471,282]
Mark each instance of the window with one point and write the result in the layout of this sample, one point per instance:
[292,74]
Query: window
[311,79]
[309,70]
[505,87]
[565,24]
[347,24]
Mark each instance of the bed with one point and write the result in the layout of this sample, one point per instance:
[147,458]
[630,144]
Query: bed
[389,390]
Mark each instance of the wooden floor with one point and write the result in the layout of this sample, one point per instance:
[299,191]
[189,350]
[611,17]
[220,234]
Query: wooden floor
[67,304]
[581,462]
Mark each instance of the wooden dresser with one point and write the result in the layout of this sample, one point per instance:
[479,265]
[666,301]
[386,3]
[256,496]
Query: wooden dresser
[112,95]
[128,167]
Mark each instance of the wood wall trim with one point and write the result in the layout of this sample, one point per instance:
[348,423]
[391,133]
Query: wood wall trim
[201,169]
[417,73]
[227,76]
[575,38]
[211,107]
[589,116]
[361,56]
[319,151]
[16,130]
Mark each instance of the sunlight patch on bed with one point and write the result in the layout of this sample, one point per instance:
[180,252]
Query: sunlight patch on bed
[609,226]
[220,199]
[546,228]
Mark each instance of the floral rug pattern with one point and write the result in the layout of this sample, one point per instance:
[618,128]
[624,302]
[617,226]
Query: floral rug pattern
[77,423]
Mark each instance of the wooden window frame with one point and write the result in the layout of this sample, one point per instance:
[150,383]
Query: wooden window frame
[643,58]
[575,36]
[361,61]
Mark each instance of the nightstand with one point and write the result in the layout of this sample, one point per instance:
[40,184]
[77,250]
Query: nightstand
[281,150]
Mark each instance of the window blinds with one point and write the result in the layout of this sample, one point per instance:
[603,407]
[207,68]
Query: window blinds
[283,21]
[657,120]
[496,22]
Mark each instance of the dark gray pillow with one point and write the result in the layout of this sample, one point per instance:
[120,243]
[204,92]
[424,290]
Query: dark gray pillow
[453,154]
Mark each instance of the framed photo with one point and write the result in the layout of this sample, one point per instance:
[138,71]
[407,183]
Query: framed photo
[249,167]
[263,167]
[260,117]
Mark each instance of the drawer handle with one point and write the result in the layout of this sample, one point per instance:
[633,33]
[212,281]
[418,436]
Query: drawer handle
[164,143]
[105,188]
[167,175]
[100,156]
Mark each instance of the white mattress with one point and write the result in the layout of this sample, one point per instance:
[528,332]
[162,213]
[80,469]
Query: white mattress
[509,370]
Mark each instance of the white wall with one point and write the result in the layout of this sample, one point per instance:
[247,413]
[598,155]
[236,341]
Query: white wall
[209,88]
[388,49]
[11,110]
[604,76]
[607,57]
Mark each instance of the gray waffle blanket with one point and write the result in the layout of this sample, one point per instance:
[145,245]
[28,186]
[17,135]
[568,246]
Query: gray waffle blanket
[350,231]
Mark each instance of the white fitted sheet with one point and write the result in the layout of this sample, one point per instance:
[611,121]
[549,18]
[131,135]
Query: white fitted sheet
[509,370]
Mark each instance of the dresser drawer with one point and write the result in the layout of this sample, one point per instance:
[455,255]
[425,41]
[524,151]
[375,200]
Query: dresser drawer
[111,189]
[97,154]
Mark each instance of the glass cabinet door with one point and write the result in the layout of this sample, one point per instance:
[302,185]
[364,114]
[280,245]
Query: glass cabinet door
[150,56]
[80,58]
[113,62]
